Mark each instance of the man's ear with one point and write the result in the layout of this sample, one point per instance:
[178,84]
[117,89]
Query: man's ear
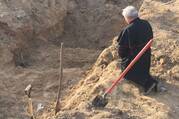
[126,20]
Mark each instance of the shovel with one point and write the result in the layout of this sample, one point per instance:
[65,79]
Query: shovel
[101,100]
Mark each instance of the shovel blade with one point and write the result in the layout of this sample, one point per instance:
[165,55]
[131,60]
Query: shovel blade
[99,101]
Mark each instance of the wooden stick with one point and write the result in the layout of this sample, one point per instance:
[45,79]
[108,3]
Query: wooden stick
[57,108]
[30,106]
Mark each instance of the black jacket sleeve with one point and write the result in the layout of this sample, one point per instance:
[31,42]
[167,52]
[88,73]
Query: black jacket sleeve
[123,44]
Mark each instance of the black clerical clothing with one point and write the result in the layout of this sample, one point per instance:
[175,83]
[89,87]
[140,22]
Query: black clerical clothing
[130,42]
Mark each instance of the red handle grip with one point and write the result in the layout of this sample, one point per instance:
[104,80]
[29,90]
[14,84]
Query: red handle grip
[147,46]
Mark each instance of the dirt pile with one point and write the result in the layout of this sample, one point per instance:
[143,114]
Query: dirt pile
[127,101]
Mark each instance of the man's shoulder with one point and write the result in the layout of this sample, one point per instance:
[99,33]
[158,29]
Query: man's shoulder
[129,26]
[145,21]
[125,29]
[136,24]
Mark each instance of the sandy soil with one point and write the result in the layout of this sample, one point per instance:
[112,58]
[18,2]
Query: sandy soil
[43,74]
[128,101]
[83,81]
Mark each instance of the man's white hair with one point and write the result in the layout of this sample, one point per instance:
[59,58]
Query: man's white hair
[130,12]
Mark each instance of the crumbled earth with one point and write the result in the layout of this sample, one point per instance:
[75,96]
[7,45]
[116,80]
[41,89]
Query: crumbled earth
[31,32]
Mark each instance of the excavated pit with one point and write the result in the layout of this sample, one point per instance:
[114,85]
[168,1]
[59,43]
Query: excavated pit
[31,34]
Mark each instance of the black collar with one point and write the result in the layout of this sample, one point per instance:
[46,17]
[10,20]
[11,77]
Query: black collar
[136,19]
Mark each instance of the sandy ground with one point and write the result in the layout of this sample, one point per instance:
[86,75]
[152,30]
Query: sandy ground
[43,74]
[83,81]
[127,100]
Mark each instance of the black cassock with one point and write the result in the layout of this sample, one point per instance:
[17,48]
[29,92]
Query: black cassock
[131,40]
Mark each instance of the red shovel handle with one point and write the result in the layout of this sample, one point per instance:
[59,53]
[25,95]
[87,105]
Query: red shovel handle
[147,46]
